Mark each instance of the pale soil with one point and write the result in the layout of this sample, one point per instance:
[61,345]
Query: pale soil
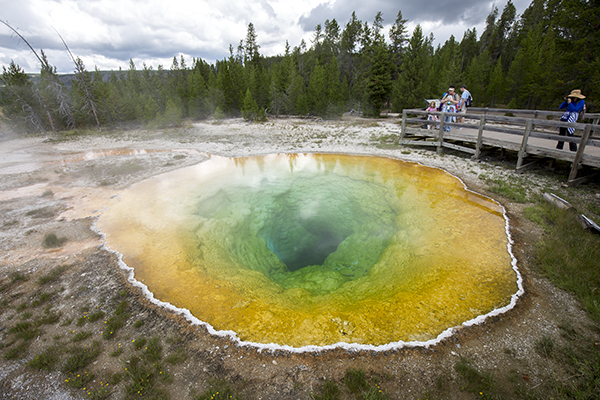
[61,186]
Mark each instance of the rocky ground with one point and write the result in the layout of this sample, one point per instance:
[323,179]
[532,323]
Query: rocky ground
[62,297]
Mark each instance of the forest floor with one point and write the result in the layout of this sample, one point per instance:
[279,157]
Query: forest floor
[58,299]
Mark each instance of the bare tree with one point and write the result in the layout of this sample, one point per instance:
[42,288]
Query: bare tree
[80,74]
[57,89]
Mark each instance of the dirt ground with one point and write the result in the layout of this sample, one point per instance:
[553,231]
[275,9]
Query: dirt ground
[61,186]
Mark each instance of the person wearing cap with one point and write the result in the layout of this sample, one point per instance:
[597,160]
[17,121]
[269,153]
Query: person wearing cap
[462,106]
[573,104]
[450,100]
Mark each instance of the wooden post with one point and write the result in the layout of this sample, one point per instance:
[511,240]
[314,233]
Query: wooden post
[403,130]
[523,150]
[441,132]
[580,150]
[479,137]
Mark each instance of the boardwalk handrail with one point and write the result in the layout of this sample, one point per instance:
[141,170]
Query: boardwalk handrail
[486,110]
[525,127]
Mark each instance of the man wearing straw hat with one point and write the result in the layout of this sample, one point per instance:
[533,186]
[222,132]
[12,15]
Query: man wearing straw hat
[574,104]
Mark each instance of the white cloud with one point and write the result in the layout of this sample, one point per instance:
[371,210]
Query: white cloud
[107,33]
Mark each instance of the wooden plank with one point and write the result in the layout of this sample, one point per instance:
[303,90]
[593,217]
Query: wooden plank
[558,124]
[590,160]
[511,120]
[501,144]
[458,147]
[416,143]
[553,153]
[511,131]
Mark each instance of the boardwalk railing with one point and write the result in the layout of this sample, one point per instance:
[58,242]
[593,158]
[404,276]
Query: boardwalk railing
[528,132]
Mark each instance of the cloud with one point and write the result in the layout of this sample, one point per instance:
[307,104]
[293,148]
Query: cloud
[107,33]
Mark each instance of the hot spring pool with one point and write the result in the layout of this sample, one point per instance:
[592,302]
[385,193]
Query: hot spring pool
[303,250]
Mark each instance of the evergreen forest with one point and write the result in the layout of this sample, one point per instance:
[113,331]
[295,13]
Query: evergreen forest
[529,61]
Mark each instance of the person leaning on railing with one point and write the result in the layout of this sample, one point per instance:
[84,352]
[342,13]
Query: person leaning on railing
[574,105]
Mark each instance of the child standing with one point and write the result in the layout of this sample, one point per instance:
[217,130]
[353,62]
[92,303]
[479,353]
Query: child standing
[431,117]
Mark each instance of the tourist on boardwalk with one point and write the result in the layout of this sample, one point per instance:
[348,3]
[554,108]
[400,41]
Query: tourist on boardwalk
[431,117]
[450,100]
[462,106]
[574,104]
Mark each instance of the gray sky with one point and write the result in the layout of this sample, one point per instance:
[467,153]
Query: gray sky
[107,33]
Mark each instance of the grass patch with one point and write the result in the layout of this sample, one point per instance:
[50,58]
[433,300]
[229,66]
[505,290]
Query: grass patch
[356,380]
[146,372]
[568,255]
[218,390]
[52,275]
[153,351]
[474,380]
[81,357]
[47,360]
[18,277]
[79,380]
[583,362]
[117,352]
[17,352]
[41,298]
[49,318]
[176,358]
[511,190]
[116,321]
[544,346]
[357,383]
[374,393]
[330,391]
[25,330]
[51,240]
[96,316]
[79,336]
[26,315]
[139,343]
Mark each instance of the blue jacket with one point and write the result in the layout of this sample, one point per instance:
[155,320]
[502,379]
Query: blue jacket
[572,106]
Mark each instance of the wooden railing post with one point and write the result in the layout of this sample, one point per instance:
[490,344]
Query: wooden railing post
[441,132]
[403,129]
[523,149]
[479,137]
[580,150]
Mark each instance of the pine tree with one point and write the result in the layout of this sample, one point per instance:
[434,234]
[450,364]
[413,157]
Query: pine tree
[380,79]
[447,62]
[399,39]
[249,107]
[18,100]
[501,31]
[317,92]
[412,86]
[496,89]
[478,77]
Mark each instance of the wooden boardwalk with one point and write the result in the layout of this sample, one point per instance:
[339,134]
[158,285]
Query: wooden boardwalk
[527,132]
